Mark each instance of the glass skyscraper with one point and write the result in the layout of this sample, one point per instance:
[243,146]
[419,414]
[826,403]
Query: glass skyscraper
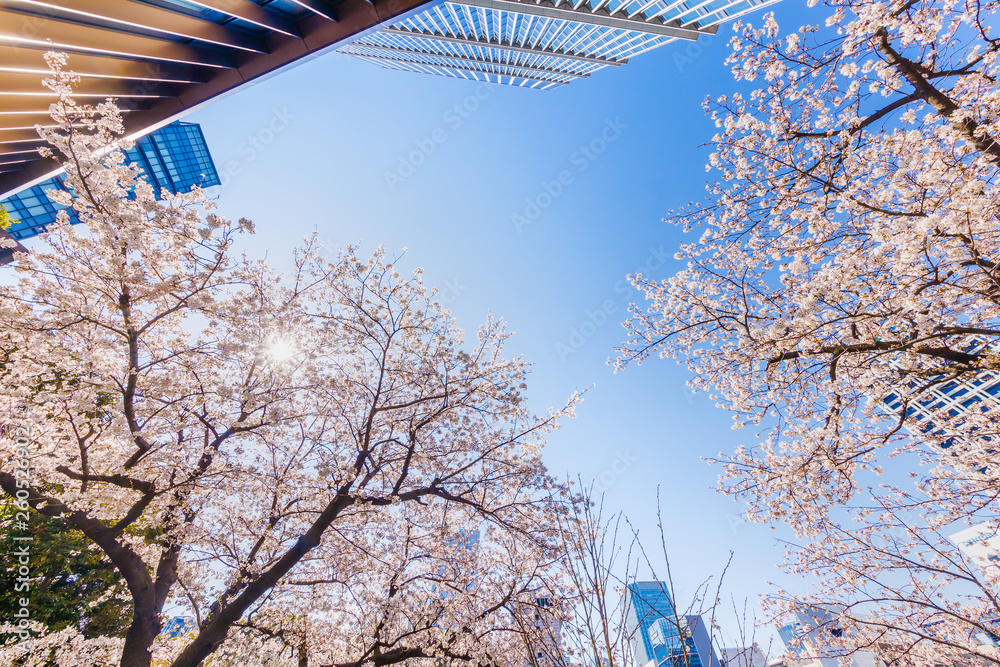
[174,158]
[807,633]
[938,402]
[539,44]
[655,629]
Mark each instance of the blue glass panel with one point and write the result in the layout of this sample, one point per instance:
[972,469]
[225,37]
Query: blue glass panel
[178,149]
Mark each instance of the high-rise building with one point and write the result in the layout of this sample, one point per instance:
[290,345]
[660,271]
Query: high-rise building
[952,397]
[981,545]
[540,44]
[178,626]
[548,646]
[174,158]
[659,635]
[931,406]
[806,633]
[737,656]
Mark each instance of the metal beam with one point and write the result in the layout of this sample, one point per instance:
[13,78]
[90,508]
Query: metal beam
[12,150]
[16,121]
[321,7]
[251,13]
[129,14]
[16,58]
[667,7]
[567,13]
[10,137]
[29,82]
[489,63]
[40,103]
[459,68]
[506,47]
[443,56]
[52,34]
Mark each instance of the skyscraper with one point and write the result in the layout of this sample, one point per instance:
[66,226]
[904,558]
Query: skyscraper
[740,656]
[933,402]
[981,545]
[548,644]
[656,631]
[806,633]
[952,397]
[541,44]
[174,158]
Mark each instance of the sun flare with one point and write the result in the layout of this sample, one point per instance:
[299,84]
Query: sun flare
[281,349]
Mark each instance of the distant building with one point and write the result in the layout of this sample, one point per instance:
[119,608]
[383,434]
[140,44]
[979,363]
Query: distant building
[178,626]
[549,649]
[541,44]
[940,402]
[174,158]
[701,637]
[660,636]
[976,637]
[743,657]
[805,634]
[981,545]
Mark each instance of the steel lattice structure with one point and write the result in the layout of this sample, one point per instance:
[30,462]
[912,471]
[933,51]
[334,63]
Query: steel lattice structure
[539,44]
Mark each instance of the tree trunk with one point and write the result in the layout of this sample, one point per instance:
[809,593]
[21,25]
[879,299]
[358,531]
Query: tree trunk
[146,625]
[303,654]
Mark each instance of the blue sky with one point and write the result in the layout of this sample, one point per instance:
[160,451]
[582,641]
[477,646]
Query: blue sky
[450,169]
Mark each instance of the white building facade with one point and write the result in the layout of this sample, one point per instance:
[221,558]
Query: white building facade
[542,44]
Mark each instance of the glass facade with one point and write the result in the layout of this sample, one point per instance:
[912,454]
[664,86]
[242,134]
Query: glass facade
[810,633]
[522,43]
[173,158]
[178,626]
[938,402]
[655,629]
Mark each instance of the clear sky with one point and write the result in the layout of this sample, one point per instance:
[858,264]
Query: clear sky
[451,170]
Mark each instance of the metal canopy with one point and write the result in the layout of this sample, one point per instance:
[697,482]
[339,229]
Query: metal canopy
[463,68]
[595,32]
[504,47]
[161,60]
[583,14]
[353,49]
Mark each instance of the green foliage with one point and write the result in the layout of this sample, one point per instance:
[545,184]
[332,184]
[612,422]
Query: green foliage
[71,583]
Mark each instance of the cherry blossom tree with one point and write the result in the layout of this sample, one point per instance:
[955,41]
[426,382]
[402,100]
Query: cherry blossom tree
[592,620]
[315,466]
[843,279]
